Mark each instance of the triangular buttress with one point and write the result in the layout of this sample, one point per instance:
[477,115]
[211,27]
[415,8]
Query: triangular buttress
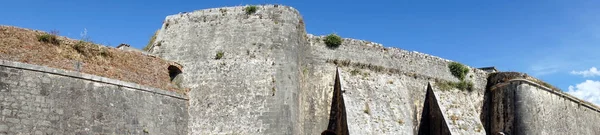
[337,116]
[432,120]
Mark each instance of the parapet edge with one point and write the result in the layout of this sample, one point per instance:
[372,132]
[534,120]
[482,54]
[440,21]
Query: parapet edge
[89,77]
[380,46]
[551,90]
[292,9]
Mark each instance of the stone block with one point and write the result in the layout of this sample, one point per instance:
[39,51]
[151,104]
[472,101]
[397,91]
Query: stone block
[6,112]
[3,128]
[13,120]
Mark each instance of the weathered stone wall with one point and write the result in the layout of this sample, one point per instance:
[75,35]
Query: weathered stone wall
[41,100]
[274,78]
[384,88]
[521,106]
[254,87]
[432,120]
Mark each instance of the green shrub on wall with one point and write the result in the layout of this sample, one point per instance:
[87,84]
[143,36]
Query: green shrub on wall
[458,70]
[333,40]
[251,9]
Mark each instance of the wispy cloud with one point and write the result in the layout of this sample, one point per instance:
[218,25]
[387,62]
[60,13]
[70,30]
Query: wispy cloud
[588,90]
[545,68]
[563,61]
[587,73]
[541,72]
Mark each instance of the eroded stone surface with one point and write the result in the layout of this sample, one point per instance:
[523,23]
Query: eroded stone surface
[524,107]
[275,78]
[46,102]
[254,87]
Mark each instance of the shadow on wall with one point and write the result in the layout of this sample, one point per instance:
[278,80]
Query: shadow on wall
[338,124]
[175,76]
[487,109]
[432,121]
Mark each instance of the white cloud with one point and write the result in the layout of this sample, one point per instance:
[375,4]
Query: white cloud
[587,73]
[588,90]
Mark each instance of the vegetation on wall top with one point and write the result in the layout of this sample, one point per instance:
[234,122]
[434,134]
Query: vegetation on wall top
[152,39]
[333,40]
[251,9]
[458,70]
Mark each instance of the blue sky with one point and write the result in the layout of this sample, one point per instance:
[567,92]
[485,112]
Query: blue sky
[550,39]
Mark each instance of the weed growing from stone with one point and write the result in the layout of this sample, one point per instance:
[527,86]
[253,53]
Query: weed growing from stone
[458,70]
[462,85]
[219,55]
[250,9]
[355,72]
[152,39]
[223,11]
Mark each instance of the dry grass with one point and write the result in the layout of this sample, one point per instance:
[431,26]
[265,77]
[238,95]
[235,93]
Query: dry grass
[22,45]
[152,39]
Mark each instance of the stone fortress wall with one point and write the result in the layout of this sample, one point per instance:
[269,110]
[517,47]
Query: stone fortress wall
[387,95]
[255,87]
[521,106]
[41,100]
[274,78]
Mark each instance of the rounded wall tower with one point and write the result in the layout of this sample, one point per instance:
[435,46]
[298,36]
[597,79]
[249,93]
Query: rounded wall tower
[242,67]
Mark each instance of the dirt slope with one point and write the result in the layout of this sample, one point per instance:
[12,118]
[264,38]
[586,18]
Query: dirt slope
[23,45]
